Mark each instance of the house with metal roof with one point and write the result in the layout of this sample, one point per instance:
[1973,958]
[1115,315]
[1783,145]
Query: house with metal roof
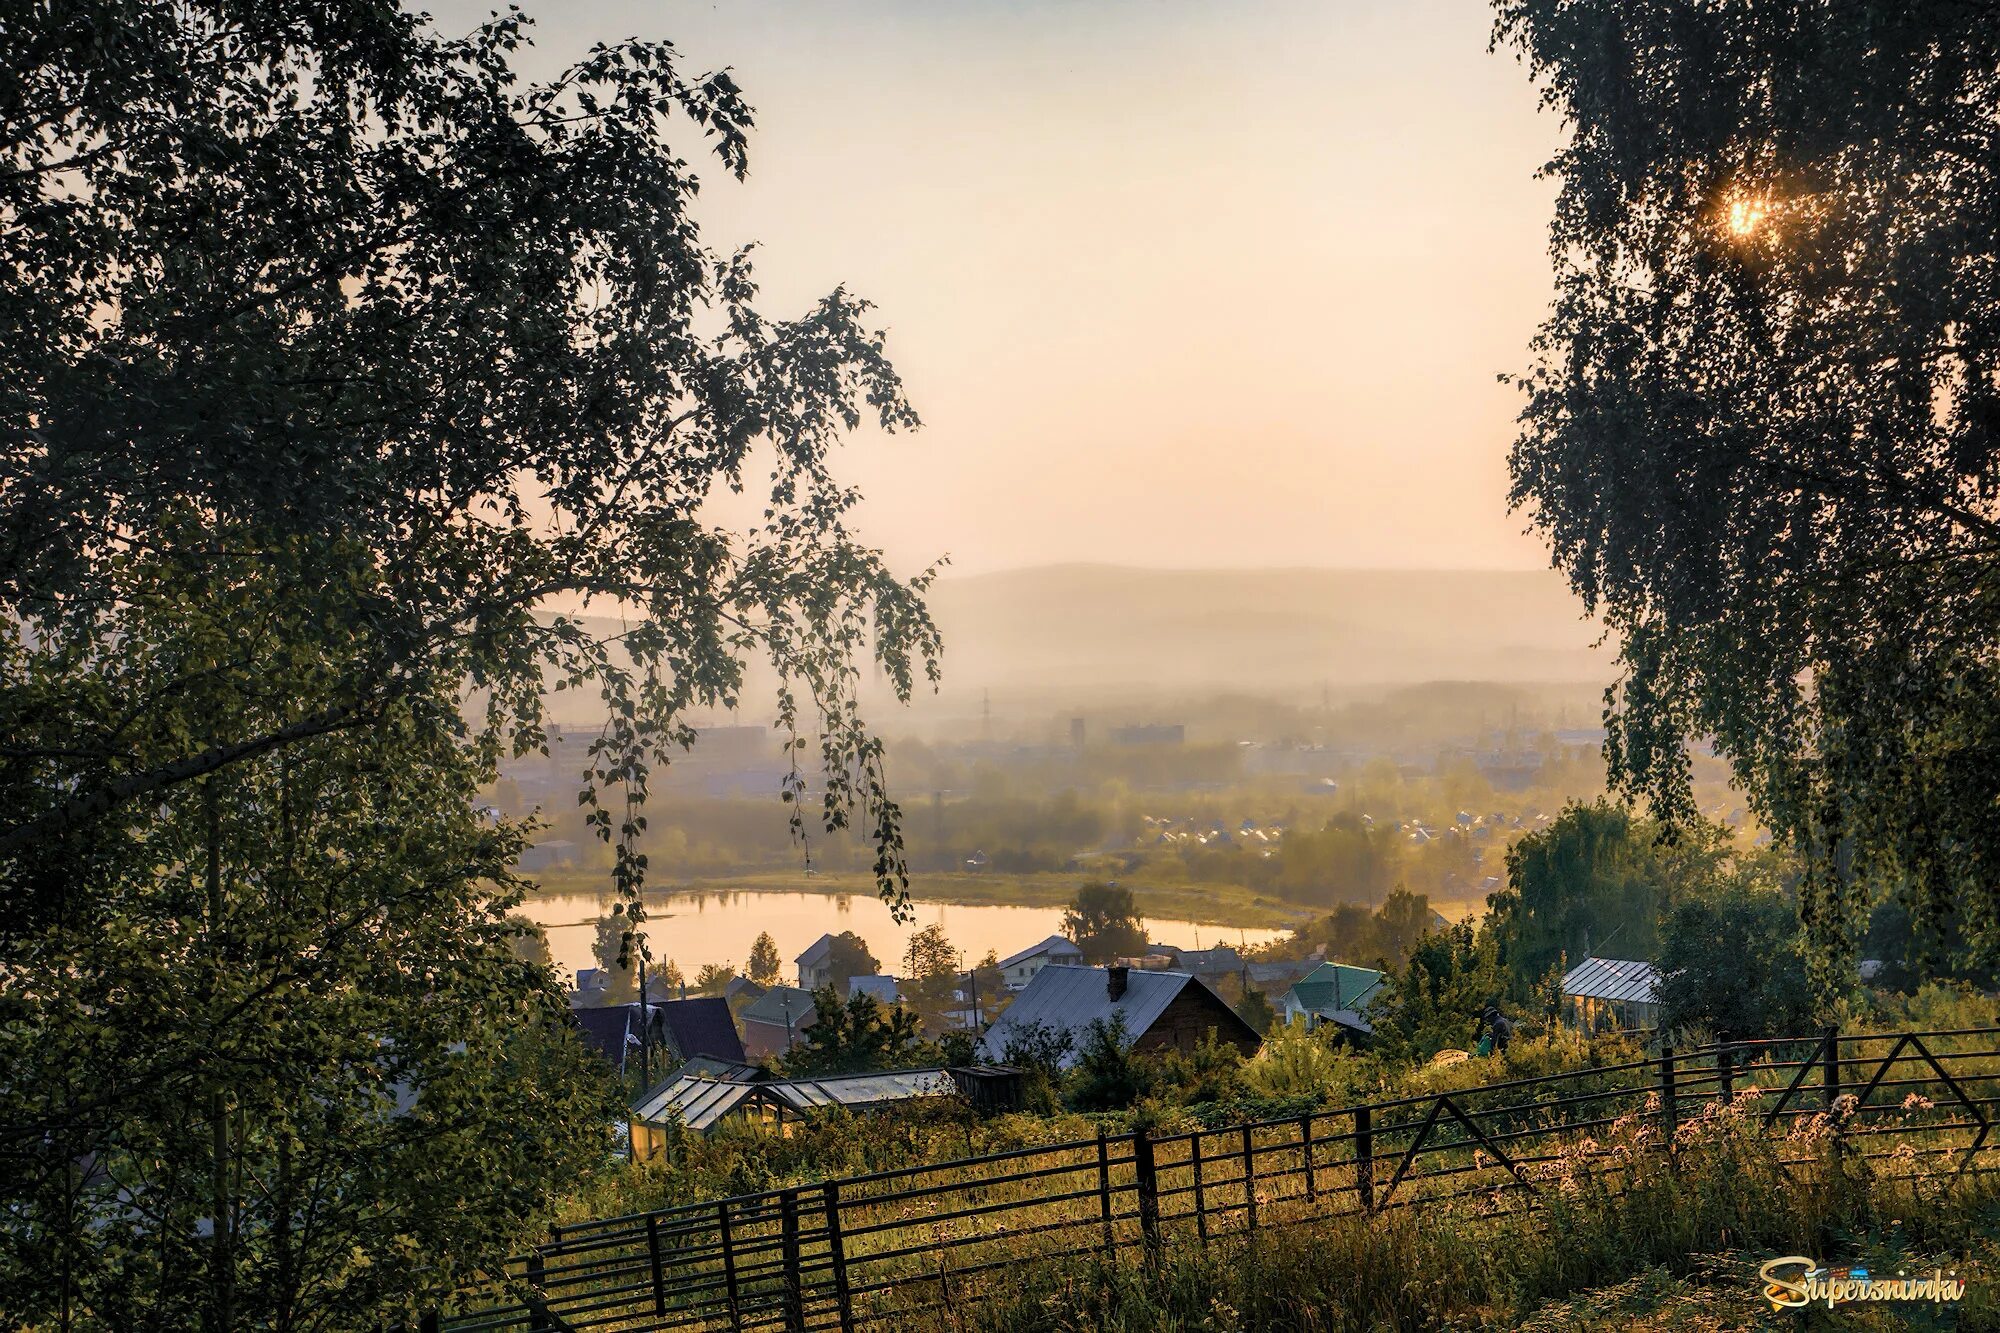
[776,1021]
[1276,976]
[882,989]
[1612,995]
[1017,970]
[1161,1011]
[1335,993]
[816,964]
[1220,961]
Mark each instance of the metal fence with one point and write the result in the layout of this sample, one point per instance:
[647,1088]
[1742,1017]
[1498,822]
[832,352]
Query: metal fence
[875,1249]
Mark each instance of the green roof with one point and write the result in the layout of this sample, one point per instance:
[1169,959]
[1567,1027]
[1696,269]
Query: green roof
[770,1007]
[1332,986]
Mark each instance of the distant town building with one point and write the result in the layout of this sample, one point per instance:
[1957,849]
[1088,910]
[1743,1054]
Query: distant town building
[1161,1011]
[1017,970]
[547,855]
[1152,733]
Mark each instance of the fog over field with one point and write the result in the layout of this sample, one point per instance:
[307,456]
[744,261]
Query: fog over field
[1108,636]
[1103,629]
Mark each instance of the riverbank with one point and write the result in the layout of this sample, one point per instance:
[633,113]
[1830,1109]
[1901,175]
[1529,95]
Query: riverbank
[1221,905]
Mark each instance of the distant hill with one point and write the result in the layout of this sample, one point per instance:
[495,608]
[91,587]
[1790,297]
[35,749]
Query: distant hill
[1111,629]
[1071,634]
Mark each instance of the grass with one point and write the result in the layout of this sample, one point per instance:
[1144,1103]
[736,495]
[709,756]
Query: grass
[1204,904]
[1664,1248]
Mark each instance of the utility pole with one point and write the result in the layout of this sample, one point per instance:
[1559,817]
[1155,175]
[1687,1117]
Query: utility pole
[645,1029]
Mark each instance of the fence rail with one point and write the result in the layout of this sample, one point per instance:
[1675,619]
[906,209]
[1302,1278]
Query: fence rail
[872,1249]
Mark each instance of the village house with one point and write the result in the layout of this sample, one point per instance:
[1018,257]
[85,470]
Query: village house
[1334,993]
[1611,995]
[884,990]
[776,1021]
[677,1031]
[1276,977]
[816,964]
[1160,1011]
[1017,970]
[1208,964]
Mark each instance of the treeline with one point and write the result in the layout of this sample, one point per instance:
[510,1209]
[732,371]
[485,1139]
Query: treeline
[1356,844]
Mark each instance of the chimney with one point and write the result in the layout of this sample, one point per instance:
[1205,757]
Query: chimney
[1115,981]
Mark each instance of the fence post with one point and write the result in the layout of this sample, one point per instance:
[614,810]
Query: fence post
[1725,1060]
[653,1252]
[1200,1194]
[729,1263]
[1364,1158]
[1306,1151]
[788,1223]
[538,1312]
[1149,1190]
[1104,1186]
[1831,1079]
[1669,1104]
[430,1323]
[837,1248]
[1249,1179]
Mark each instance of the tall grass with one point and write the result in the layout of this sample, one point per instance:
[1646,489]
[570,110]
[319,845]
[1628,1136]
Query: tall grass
[1615,1210]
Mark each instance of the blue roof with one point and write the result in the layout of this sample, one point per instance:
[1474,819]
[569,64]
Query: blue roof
[881,987]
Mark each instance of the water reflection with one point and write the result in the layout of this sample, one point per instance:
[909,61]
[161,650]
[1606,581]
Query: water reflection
[699,926]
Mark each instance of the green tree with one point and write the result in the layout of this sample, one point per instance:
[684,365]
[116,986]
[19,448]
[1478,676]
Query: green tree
[1107,1076]
[1434,1001]
[344,298]
[1733,967]
[713,978]
[1256,1010]
[1352,933]
[1762,428]
[617,954]
[856,1037]
[850,958]
[1104,922]
[338,365]
[1588,884]
[1345,861]
[765,967]
[339,1051]
[931,972]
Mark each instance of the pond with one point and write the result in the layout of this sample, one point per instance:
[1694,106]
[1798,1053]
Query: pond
[719,926]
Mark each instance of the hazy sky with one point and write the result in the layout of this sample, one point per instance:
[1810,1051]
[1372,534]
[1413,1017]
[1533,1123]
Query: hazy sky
[1172,283]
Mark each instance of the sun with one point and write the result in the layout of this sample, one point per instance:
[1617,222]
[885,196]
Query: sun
[1746,215]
